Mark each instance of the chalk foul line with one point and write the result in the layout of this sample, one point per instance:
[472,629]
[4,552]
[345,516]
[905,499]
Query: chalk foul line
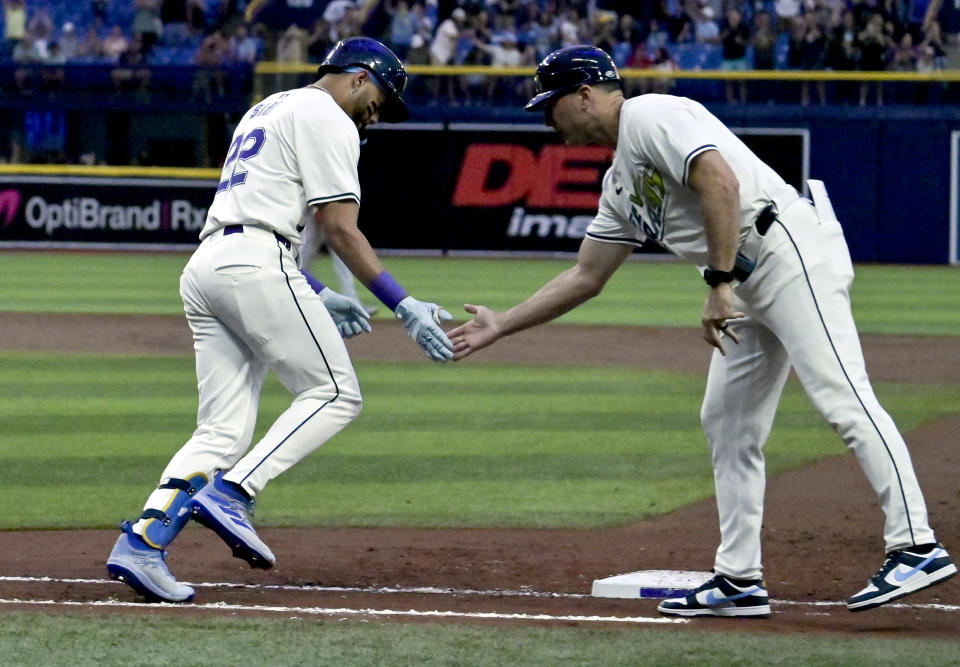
[417,590]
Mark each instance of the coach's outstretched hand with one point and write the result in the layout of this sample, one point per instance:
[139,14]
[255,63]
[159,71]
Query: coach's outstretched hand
[422,322]
[476,334]
[348,314]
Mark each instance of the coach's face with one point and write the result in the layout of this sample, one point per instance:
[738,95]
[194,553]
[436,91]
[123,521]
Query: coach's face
[566,114]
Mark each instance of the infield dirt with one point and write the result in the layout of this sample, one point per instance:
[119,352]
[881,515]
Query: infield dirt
[822,535]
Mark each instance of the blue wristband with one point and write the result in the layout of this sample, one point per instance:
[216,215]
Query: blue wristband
[388,290]
[314,283]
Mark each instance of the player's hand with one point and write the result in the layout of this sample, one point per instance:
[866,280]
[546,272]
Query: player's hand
[716,311]
[476,334]
[348,314]
[422,322]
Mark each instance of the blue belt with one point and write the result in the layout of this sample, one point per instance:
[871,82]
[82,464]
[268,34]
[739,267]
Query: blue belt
[238,229]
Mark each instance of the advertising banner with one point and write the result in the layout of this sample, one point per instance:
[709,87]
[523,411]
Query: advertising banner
[496,188]
[102,211]
[456,188]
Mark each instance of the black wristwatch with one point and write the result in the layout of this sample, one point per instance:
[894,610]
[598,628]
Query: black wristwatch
[713,277]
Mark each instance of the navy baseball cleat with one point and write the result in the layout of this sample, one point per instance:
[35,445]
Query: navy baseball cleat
[721,597]
[143,568]
[227,513]
[902,573]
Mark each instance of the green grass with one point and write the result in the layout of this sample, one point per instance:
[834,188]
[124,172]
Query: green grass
[886,299]
[65,639]
[86,438]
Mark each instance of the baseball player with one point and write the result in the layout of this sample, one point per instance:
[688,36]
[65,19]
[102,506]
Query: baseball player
[778,274]
[251,309]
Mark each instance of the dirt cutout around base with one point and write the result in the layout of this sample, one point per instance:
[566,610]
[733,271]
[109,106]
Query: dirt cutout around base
[822,530]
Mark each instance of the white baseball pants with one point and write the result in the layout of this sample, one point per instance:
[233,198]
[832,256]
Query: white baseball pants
[798,306]
[251,310]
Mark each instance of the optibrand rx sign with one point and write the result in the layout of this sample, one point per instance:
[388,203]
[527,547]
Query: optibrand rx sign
[52,211]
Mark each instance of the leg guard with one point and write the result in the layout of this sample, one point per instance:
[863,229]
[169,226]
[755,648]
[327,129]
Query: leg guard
[158,527]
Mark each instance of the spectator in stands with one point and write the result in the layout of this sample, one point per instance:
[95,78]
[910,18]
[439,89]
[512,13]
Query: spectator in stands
[764,41]
[115,43]
[211,58]
[874,44]
[28,54]
[479,25]
[503,52]
[572,28]
[657,36]
[334,11]
[904,55]
[625,37]
[662,62]
[933,38]
[798,31]
[69,42]
[444,48]
[545,34]
[813,56]
[132,73]
[243,47]
[604,33]
[14,24]
[320,41]
[173,15]
[41,27]
[292,45]
[705,28]
[91,48]
[843,52]
[99,10]
[419,53]
[53,74]
[196,17]
[786,11]
[403,26]
[474,86]
[735,36]
[425,25]
[146,22]
[349,25]
[927,60]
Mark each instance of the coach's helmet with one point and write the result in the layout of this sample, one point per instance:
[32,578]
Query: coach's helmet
[566,69]
[380,61]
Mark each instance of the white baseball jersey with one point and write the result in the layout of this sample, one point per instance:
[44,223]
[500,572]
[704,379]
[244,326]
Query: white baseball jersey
[294,150]
[645,194]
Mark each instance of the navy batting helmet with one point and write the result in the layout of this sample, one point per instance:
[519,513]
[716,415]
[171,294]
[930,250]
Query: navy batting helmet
[378,60]
[567,69]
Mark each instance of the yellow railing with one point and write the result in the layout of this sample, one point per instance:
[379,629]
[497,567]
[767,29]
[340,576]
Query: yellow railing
[632,73]
[109,171]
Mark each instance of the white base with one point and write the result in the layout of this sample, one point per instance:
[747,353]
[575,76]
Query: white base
[649,584]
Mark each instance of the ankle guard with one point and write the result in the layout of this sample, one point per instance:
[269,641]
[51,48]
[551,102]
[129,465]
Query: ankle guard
[161,526]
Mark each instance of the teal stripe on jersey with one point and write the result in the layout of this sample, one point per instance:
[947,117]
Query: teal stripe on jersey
[342,195]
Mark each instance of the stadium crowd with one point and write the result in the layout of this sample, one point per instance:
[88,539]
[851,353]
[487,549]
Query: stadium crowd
[868,35]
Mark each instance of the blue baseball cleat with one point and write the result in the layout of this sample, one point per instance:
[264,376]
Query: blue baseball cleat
[721,597]
[227,513]
[144,569]
[902,573]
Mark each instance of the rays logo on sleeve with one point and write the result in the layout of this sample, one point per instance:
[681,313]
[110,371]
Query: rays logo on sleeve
[649,195]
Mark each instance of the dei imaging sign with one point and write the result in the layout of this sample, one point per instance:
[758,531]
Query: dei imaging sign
[50,210]
[505,187]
